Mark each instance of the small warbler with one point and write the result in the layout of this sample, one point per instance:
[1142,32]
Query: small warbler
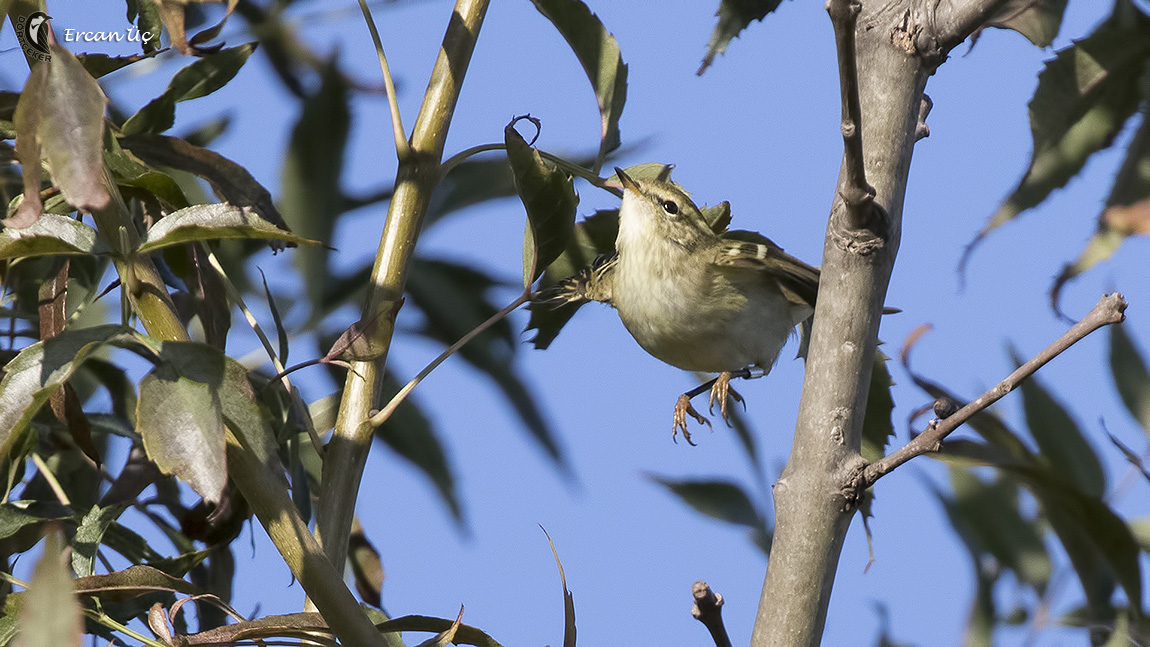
[691,297]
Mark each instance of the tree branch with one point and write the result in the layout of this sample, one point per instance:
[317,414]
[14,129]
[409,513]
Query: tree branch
[954,21]
[811,523]
[1109,310]
[708,610]
[856,193]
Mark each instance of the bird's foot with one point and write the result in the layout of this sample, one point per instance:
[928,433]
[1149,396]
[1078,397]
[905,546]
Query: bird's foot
[720,390]
[683,409]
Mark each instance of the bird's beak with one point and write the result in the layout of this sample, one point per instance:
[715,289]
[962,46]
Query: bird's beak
[628,183]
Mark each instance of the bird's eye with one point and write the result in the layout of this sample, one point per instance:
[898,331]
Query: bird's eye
[670,207]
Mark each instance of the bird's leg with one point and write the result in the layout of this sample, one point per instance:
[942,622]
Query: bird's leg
[683,409]
[720,389]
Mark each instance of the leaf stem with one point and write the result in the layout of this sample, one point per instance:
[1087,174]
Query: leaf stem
[574,169]
[402,148]
[383,414]
[51,479]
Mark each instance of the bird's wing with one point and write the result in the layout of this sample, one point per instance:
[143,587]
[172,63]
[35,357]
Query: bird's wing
[748,251]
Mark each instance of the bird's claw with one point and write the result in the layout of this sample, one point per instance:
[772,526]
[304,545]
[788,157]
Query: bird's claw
[719,391]
[683,409]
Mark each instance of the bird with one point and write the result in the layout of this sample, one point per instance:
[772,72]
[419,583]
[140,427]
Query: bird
[693,297]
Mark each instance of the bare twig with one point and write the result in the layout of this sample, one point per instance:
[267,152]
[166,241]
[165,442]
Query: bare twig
[708,610]
[1109,310]
[856,193]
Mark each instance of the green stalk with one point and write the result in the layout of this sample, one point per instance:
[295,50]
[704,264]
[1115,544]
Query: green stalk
[416,178]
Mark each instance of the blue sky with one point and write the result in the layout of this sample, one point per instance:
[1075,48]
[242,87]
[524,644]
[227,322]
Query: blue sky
[759,129]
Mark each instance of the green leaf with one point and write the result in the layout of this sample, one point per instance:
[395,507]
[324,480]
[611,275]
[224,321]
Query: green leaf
[22,523]
[453,298]
[214,222]
[129,544]
[1100,545]
[131,582]
[146,16]
[49,611]
[281,333]
[410,434]
[1037,20]
[230,182]
[130,171]
[1127,211]
[734,17]
[203,77]
[197,387]
[598,53]
[988,514]
[40,369]
[1131,377]
[877,426]
[1060,442]
[465,635]
[548,195]
[469,183]
[311,197]
[121,389]
[182,424]
[720,500]
[983,614]
[593,236]
[1084,97]
[99,65]
[51,235]
[366,566]
[90,534]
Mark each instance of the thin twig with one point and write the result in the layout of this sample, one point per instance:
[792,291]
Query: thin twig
[856,193]
[708,610]
[1109,310]
[383,414]
[51,479]
[402,148]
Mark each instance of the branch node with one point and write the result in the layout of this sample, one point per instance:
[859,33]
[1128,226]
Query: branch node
[860,225]
[921,130]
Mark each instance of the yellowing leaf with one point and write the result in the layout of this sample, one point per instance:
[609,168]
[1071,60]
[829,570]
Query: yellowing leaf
[214,222]
[49,611]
